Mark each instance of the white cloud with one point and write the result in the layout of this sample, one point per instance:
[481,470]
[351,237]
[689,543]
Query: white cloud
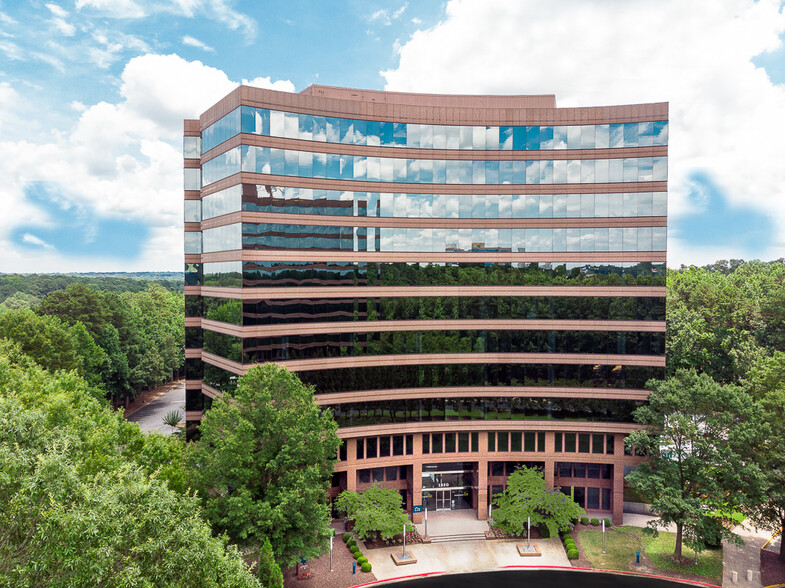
[11,50]
[33,240]
[385,17]
[120,160]
[194,42]
[57,10]
[268,84]
[113,8]
[381,15]
[727,117]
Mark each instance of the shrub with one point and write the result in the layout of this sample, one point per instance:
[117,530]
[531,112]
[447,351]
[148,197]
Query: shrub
[366,567]
[584,520]
[607,522]
[362,559]
[595,522]
[351,543]
[544,532]
[573,554]
[346,537]
[357,554]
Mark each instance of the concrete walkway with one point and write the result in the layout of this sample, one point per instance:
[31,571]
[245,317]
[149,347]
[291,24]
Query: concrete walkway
[452,522]
[464,556]
[150,417]
[740,559]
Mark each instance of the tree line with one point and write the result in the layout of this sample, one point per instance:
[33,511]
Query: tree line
[713,429]
[121,341]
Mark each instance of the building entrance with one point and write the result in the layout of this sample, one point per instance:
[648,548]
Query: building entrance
[448,486]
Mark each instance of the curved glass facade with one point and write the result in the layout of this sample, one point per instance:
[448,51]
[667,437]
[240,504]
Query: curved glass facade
[336,166]
[371,133]
[436,272]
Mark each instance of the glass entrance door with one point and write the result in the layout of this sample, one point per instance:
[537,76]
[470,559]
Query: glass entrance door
[444,500]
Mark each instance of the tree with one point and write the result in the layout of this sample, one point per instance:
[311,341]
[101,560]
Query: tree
[526,495]
[377,510]
[767,384]
[267,570]
[76,508]
[695,434]
[263,462]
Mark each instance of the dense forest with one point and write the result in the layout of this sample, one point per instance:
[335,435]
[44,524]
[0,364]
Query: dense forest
[121,334]
[86,498]
[723,318]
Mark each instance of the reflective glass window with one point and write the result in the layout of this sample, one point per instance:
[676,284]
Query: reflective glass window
[192,178]
[192,211]
[193,242]
[192,147]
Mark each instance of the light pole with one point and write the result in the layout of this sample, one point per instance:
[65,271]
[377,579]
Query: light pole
[331,552]
[426,522]
[528,530]
[603,535]
[490,517]
[403,553]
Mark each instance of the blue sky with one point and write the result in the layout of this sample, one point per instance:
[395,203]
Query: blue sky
[93,93]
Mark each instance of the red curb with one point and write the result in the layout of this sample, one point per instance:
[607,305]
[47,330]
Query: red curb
[622,572]
[398,578]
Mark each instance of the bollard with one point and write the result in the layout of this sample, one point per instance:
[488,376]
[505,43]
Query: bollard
[354,567]
[735,577]
[637,557]
[749,575]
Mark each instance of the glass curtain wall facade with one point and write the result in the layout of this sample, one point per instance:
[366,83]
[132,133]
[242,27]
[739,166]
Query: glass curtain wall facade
[471,283]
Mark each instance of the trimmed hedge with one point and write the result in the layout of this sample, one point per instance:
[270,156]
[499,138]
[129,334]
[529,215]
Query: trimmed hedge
[366,567]
[362,559]
[346,537]
[595,522]
[584,520]
[572,554]
[357,554]
[607,522]
[351,543]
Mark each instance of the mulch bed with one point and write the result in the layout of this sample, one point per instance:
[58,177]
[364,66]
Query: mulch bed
[319,572]
[772,570]
[411,538]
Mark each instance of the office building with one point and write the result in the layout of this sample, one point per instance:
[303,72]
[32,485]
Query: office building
[471,283]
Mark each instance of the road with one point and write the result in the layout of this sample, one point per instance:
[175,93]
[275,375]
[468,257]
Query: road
[150,417]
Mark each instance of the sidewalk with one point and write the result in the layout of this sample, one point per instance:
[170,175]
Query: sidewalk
[742,558]
[735,558]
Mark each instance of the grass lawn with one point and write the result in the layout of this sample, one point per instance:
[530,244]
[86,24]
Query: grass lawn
[621,543]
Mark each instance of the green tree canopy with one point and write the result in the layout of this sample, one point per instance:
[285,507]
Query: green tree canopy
[526,495]
[263,462]
[766,383]
[695,433]
[377,510]
[79,504]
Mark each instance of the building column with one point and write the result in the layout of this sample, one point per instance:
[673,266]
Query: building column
[417,517]
[550,473]
[618,494]
[351,464]
[550,463]
[482,488]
